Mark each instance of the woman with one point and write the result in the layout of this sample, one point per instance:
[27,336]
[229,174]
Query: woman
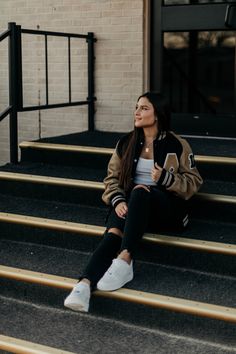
[150,176]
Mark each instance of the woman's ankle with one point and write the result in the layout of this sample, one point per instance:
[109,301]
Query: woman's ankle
[125,256]
[86,281]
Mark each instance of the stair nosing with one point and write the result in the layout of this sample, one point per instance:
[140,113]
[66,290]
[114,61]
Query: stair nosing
[16,345]
[139,297]
[109,151]
[64,147]
[51,180]
[93,230]
[95,185]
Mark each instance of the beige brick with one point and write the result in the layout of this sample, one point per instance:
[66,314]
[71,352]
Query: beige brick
[118,68]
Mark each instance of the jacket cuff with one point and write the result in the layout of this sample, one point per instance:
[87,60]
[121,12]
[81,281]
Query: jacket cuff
[167,179]
[117,199]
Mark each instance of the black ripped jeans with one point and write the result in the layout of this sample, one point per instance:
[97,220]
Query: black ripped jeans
[147,211]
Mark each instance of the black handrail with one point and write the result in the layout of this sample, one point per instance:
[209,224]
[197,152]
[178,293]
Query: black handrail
[7,110]
[16,104]
[5,35]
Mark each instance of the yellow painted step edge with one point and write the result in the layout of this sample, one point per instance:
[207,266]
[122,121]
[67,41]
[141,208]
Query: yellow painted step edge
[93,230]
[63,147]
[15,345]
[68,182]
[138,297]
[51,180]
[109,151]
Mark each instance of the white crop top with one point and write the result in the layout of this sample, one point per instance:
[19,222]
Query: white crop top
[143,172]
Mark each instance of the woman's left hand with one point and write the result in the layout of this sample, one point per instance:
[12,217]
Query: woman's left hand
[156,172]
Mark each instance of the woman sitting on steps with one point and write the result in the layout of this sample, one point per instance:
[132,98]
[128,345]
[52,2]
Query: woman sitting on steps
[151,174]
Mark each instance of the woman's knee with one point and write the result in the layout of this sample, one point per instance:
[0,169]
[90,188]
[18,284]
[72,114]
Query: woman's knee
[140,193]
[115,231]
[141,187]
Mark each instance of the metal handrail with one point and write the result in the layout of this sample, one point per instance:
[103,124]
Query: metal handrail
[5,35]
[16,104]
[7,110]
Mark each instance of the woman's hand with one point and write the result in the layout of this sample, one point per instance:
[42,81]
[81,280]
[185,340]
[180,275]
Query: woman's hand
[121,209]
[156,172]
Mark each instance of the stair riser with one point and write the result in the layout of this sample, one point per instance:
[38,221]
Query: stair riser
[213,210]
[135,314]
[208,170]
[216,171]
[148,252]
[66,158]
[87,196]
[49,192]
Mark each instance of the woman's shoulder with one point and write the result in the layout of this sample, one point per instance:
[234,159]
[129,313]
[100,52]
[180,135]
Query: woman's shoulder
[179,139]
[123,142]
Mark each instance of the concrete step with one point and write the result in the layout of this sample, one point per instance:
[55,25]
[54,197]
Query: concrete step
[209,165]
[155,311]
[74,331]
[80,227]
[89,172]
[149,277]
[86,191]
[201,146]
[15,345]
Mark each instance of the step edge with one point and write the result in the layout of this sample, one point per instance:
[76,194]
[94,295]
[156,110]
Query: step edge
[93,230]
[109,151]
[64,147]
[139,297]
[16,345]
[24,177]
[213,197]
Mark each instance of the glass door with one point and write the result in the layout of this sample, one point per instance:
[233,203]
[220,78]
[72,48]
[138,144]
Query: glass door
[193,62]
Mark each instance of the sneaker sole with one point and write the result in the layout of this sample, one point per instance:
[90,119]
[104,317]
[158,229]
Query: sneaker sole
[76,307]
[113,289]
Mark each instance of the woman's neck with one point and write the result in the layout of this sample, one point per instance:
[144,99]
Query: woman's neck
[150,133]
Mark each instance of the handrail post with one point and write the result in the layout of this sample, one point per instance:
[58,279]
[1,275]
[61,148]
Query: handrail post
[14,86]
[91,98]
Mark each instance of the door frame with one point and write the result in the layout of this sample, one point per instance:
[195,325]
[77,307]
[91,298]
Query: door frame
[174,18]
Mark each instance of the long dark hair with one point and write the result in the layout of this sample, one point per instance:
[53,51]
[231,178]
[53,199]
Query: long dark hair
[163,114]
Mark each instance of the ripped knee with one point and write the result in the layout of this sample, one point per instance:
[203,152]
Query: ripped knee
[142,186]
[115,231]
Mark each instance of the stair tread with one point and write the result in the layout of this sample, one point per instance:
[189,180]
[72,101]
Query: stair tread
[198,229]
[98,150]
[15,345]
[97,175]
[78,213]
[111,335]
[149,277]
[214,147]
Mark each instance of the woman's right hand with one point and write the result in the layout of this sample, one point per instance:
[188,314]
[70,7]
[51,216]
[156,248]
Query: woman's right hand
[121,209]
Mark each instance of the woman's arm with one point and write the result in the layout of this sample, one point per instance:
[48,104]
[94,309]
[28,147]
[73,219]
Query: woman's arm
[187,181]
[113,194]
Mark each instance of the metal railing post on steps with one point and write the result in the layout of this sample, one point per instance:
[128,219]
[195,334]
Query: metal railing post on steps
[15,91]
[91,98]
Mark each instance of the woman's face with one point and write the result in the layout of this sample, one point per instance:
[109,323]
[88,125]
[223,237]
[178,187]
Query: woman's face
[144,116]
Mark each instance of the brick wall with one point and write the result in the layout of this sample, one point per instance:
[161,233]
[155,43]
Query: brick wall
[118,26]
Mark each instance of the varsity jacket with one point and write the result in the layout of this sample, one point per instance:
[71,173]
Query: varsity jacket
[171,152]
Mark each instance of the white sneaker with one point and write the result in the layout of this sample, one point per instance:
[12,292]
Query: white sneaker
[119,273]
[78,300]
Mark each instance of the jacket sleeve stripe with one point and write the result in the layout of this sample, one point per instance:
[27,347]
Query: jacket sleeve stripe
[117,199]
[167,179]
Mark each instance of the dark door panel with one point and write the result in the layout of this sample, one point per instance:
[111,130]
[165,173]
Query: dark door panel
[193,62]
